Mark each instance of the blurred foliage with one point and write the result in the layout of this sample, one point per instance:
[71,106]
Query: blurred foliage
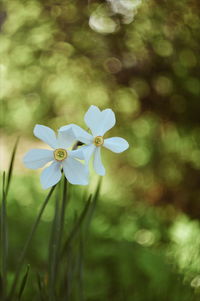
[127,247]
[53,66]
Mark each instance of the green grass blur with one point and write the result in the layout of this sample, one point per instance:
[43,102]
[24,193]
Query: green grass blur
[144,239]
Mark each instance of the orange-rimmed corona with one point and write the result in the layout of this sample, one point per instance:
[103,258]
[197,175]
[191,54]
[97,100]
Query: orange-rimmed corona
[60,154]
[98,141]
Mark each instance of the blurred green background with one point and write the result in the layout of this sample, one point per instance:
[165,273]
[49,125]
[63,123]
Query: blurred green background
[144,239]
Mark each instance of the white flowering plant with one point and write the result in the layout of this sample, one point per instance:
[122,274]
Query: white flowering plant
[69,153]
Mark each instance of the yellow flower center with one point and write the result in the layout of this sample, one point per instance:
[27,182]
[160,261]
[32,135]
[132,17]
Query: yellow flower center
[98,141]
[60,154]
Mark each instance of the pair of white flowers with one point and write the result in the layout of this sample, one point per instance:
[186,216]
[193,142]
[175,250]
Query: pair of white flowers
[99,122]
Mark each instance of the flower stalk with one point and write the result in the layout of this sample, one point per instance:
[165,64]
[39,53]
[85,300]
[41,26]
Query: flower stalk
[4,240]
[56,239]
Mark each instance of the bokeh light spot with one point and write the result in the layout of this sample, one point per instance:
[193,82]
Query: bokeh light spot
[163,85]
[112,65]
[163,47]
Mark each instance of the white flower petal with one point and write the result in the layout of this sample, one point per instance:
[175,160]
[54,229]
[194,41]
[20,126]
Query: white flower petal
[75,172]
[80,134]
[88,151]
[51,175]
[107,121]
[66,138]
[116,144]
[98,121]
[37,158]
[77,154]
[46,134]
[98,166]
[93,119]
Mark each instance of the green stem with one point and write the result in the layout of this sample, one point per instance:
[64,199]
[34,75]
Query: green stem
[62,217]
[22,257]
[4,239]
[56,240]
[76,227]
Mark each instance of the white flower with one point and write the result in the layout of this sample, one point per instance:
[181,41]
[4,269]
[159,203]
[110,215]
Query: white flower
[74,170]
[99,122]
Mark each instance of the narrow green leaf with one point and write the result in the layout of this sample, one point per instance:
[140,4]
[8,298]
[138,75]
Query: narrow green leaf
[93,206]
[56,239]
[4,239]
[1,287]
[68,252]
[10,170]
[74,262]
[73,284]
[76,226]
[80,269]
[74,256]
[23,283]
[53,249]
[62,214]
[26,246]
[68,277]
[41,288]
